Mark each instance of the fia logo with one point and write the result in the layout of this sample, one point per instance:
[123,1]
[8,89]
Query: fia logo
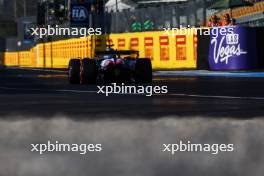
[79,13]
[227,47]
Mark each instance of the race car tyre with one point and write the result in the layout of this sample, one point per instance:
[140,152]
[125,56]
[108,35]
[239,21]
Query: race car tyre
[125,76]
[109,74]
[88,71]
[74,71]
[143,70]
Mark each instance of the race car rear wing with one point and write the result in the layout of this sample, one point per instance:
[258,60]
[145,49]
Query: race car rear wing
[117,52]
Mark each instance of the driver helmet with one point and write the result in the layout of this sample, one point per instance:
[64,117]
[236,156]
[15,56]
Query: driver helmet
[109,56]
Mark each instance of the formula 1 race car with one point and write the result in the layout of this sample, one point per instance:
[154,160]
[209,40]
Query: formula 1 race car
[111,66]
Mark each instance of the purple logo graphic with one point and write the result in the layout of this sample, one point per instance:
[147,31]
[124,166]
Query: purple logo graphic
[233,51]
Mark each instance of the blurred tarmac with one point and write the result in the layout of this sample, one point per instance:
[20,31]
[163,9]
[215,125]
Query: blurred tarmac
[37,106]
[132,147]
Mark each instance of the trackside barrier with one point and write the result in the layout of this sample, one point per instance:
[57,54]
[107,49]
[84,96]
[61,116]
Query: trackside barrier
[1,58]
[165,51]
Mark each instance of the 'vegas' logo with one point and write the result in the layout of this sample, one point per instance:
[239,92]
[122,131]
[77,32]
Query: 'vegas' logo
[228,46]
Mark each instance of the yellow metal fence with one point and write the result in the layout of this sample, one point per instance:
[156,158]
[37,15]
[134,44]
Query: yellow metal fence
[165,51]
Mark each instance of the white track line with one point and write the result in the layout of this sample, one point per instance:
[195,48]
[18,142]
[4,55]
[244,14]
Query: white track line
[217,97]
[50,90]
[38,69]
[181,95]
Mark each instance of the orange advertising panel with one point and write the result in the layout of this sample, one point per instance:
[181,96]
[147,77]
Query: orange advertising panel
[121,43]
[164,48]
[195,46]
[134,43]
[148,44]
[181,53]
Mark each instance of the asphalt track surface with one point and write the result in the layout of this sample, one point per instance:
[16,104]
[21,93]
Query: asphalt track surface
[35,92]
[38,106]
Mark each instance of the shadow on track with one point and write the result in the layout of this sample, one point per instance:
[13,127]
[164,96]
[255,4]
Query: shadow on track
[25,102]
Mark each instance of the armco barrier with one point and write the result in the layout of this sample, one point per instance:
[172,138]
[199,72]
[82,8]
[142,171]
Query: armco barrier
[166,52]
